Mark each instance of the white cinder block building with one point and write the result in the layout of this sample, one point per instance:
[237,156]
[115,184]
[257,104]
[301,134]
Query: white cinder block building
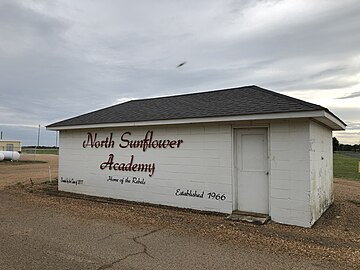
[246,149]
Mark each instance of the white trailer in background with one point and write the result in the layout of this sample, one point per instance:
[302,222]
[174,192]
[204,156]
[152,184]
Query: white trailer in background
[9,155]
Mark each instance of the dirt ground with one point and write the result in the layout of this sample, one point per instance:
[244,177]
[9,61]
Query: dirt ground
[334,239]
[18,172]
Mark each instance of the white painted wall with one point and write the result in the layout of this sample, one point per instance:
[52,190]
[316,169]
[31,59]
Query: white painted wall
[202,163]
[321,169]
[301,171]
[290,171]
[300,182]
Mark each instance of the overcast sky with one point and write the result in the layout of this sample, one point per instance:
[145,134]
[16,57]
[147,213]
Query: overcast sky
[63,58]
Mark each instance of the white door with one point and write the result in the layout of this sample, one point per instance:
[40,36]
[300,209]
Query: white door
[252,170]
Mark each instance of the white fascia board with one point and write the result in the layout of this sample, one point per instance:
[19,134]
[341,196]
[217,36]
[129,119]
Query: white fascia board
[336,123]
[288,115]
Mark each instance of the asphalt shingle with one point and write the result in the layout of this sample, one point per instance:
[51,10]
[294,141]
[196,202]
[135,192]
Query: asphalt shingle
[238,101]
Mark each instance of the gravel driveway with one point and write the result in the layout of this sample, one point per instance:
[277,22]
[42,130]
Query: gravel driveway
[41,228]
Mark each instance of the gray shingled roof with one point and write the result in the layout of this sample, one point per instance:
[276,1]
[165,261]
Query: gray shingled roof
[227,102]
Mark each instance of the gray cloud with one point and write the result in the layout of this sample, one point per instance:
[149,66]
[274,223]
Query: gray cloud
[350,113]
[352,95]
[354,126]
[23,29]
[63,58]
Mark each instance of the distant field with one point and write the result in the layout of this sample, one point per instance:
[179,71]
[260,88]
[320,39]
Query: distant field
[51,151]
[346,165]
[349,153]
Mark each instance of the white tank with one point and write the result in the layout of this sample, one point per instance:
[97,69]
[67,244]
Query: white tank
[2,156]
[10,155]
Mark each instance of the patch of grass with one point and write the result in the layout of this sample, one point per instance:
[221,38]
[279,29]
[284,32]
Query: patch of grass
[53,182]
[346,167]
[40,151]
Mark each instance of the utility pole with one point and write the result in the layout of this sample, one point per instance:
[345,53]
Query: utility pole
[38,141]
[1,136]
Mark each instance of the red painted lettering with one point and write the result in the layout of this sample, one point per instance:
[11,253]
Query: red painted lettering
[107,163]
[93,142]
[172,144]
[130,166]
[179,142]
[125,140]
[90,140]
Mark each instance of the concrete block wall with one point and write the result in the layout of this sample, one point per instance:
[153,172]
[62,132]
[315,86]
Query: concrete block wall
[321,169]
[290,172]
[300,166]
[202,163]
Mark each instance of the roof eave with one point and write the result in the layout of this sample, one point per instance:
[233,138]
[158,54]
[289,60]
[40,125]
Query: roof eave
[320,115]
[331,121]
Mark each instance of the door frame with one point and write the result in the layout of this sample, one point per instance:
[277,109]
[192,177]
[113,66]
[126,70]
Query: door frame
[235,128]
